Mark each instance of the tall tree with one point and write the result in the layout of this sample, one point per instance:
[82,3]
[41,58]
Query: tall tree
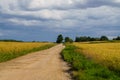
[59,38]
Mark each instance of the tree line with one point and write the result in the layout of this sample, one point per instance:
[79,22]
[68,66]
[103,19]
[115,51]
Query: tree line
[87,38]
[10,40]
[61,39]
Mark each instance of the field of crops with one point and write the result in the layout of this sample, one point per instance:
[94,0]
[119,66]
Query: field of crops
[96,61]
[107,54]
[9,50]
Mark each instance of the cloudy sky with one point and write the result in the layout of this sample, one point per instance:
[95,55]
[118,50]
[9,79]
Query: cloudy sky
[43,20]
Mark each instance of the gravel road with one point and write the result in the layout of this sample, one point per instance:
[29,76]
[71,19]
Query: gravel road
[41,65]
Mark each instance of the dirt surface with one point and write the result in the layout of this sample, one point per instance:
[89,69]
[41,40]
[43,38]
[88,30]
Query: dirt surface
[42,65]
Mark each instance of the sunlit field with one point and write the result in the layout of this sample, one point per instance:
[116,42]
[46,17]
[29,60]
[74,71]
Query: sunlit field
[107,54]
[9,50]
[87,63]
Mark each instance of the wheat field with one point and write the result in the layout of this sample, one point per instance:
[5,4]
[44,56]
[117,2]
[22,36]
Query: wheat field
[16,47]
[9,50]
[107,54]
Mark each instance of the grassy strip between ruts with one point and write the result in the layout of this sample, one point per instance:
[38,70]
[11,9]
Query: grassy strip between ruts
[85,69]
[6,57]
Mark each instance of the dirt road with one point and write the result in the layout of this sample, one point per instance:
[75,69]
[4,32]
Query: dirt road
[42,65]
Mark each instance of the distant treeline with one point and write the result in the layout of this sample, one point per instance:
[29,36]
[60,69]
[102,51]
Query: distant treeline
[10,40]
[118,38]
[61,39]
[88,38]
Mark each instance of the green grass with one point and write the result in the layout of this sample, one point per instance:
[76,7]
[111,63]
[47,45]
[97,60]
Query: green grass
[8,56]
[85,69]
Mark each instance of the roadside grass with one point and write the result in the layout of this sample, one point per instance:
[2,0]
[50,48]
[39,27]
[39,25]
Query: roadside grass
[86,69]
[8,55]
[107,54]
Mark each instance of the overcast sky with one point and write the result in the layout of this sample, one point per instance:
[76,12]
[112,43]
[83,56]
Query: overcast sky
[43,20]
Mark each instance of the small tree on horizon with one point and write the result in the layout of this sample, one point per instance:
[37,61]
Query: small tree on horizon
[59,38]
[77,39]
[117,38]
[67,39]
[104,38]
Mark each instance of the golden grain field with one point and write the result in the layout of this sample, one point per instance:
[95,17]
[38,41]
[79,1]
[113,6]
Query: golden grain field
[107,54]
[9,50]
[16,47]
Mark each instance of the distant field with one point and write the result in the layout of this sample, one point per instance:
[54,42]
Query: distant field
[107,54]
[9,50]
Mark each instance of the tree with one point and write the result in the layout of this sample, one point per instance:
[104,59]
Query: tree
[118,38]
[86,38]
[67,39]
[82,39]
[59,38]
[77,39]
[104,38]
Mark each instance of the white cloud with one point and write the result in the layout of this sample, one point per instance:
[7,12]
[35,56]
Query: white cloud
[84,17]
[55,4]
[36,4]
[17,21]
[117,1]
[61,13]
